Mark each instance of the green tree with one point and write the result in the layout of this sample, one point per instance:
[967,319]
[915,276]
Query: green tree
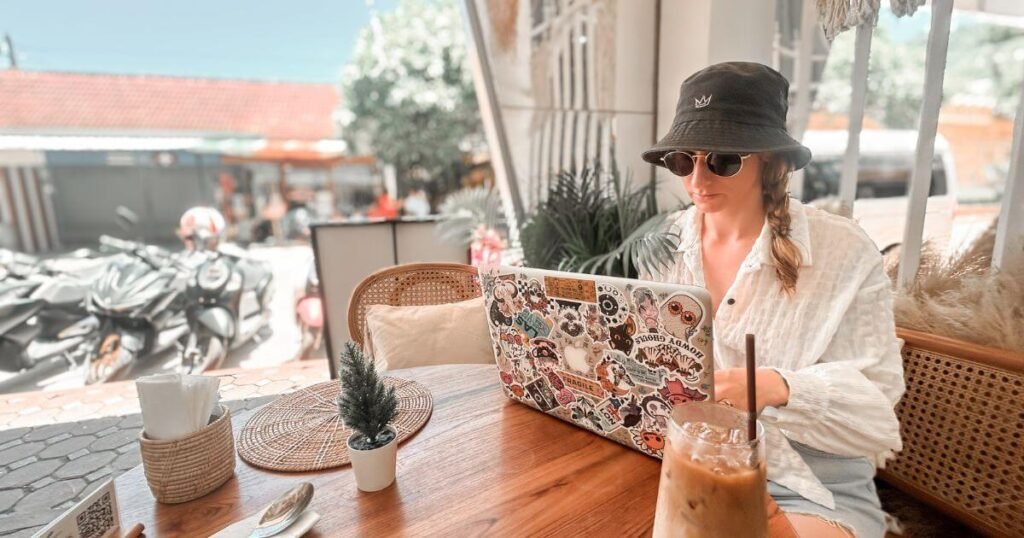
[895,75]
[408,96]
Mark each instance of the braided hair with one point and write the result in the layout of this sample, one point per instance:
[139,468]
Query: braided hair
[775,171]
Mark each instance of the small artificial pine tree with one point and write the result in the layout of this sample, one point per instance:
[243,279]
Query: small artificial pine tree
[366,405]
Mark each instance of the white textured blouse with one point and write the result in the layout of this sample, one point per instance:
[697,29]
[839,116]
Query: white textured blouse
[834,341]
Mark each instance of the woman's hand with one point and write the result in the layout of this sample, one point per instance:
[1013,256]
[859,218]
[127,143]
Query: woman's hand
[731,388]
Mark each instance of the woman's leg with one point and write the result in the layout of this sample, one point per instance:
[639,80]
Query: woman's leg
[812,526]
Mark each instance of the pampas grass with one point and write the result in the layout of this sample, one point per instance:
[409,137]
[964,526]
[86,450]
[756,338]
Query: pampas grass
[962,297]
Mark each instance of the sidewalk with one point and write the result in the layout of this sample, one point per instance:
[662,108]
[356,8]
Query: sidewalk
[56,447]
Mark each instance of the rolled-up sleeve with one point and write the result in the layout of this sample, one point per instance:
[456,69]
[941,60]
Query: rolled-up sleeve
[844,404]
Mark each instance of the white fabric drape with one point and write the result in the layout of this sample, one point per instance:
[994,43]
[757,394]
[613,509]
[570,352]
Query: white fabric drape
[837,16]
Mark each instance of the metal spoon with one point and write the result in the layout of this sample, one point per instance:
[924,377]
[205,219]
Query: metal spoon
[284,511]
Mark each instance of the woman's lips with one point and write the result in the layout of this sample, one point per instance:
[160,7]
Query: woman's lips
[702,197]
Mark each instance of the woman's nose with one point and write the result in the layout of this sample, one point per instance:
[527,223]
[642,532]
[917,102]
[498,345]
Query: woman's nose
[701,175]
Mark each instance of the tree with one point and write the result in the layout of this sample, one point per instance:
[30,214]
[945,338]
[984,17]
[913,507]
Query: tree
[985,62]
[408,92]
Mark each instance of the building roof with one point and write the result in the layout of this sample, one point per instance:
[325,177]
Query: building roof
[71,103]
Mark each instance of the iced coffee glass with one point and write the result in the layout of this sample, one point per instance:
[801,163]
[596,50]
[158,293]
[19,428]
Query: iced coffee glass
[712,478]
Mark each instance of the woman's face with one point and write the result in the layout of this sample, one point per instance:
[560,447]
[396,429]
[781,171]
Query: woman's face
[711,193]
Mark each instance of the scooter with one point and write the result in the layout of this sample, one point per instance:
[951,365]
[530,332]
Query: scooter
[140,303]
[44,323]
[228,304]
[309,315]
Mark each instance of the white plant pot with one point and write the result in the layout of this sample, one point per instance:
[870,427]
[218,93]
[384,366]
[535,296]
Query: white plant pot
[375,469]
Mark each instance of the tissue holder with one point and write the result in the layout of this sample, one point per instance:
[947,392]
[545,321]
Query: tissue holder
[185,469]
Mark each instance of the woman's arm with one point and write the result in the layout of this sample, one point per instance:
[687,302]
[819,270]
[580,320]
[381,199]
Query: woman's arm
[844,404]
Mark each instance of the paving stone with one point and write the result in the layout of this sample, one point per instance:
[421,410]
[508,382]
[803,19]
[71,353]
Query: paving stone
[51,496]
[21,521]
[58,438]
[11,443]
[26,533]
[131,447]
[115,440]
[8,497]
[21,463]
[131,421]
[19,452]
[108,431]
[91,427]
[84,465]
[28,474]
[67,446]
[78,454]
[98,474]
[42,483]
[42,433]
[127,460]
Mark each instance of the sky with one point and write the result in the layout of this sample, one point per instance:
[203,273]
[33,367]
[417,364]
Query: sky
[290,40]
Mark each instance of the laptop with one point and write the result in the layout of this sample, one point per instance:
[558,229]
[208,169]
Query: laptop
[611,355]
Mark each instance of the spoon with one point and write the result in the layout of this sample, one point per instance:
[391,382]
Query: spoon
[284,511]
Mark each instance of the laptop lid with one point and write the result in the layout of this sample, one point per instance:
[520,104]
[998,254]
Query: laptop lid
[611,355]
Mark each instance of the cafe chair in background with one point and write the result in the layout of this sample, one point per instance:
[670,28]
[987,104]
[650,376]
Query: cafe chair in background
[413,284]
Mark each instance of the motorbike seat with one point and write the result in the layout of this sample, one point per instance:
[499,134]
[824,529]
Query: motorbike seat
[15,313]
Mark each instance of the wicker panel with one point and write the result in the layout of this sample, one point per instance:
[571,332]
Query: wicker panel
[185,469]
[962,423]
[415,284]
[303,431]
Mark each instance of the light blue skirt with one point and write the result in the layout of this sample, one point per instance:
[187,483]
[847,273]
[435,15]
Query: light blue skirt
[851,481]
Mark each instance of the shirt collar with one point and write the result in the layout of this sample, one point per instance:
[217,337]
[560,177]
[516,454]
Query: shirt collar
[690,227]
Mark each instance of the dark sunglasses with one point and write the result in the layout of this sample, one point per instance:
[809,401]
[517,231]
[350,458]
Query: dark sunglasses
[682,163]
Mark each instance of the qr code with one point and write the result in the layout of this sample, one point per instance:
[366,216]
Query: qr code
[97,519]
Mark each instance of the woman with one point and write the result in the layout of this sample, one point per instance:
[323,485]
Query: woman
[809,286]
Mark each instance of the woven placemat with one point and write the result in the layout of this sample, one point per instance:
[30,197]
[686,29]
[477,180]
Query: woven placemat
[303,431]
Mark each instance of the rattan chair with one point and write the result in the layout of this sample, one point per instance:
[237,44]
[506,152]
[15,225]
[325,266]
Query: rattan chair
[962,422]
[414,284]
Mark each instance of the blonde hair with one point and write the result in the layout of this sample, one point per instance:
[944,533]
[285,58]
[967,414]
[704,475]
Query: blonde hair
[775,170]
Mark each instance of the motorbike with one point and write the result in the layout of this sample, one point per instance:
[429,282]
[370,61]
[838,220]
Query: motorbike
[228,304]
[309,315]
[140,302]
[44,323]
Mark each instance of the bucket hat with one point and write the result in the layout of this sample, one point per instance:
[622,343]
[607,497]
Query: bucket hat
[734,107]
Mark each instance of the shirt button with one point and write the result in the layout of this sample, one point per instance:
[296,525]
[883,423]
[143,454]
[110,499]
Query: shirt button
[731,301]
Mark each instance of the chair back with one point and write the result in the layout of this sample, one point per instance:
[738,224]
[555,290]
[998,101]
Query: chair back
[962,422]
[413,284]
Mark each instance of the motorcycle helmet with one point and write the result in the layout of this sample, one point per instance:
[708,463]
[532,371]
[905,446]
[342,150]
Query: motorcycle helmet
[201,228]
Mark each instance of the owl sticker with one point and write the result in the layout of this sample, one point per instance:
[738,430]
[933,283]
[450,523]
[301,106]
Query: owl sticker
[681,315]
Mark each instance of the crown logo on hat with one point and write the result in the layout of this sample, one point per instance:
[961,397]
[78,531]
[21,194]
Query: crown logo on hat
[702,101]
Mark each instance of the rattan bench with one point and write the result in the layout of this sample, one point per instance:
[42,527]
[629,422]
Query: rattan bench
[962,421]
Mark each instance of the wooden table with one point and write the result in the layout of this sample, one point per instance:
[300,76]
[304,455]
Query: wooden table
[481,465]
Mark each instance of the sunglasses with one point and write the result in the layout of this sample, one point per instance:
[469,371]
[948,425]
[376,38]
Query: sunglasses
[682,163]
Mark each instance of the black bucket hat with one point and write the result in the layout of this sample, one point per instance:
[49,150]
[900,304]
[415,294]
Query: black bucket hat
[735,107]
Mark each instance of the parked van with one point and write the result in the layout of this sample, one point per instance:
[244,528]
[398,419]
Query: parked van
[884,169]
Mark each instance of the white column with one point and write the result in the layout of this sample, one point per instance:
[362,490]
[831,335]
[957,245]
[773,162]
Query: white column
[859,85]
[928,123]
[1009,247]
[698,33]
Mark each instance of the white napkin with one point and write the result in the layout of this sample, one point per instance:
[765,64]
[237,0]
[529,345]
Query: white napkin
[175,406]
[244,528]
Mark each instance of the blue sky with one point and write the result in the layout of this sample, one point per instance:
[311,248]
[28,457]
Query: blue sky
[294,40]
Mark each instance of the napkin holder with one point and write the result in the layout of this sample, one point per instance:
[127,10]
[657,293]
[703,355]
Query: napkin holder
[185,469]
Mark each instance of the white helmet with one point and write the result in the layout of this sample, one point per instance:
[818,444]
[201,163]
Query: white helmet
[202,223]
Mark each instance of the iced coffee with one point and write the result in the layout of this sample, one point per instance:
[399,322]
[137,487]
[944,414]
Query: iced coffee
[712,477]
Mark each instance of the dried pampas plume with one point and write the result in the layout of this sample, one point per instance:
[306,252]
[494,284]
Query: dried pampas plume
[962,297]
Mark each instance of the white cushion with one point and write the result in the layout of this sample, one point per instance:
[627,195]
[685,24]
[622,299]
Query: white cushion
[410,336]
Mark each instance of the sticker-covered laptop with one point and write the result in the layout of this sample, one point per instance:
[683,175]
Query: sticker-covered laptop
[607,354]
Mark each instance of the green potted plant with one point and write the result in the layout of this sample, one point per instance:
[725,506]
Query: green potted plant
[592,222]
[368,407]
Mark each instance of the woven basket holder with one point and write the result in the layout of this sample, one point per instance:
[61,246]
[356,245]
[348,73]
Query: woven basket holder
[185,469]
[303,431]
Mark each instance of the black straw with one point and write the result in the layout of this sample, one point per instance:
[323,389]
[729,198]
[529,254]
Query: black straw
[751,390]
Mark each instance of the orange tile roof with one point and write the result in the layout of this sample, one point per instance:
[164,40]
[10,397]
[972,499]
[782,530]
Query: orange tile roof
[49,102]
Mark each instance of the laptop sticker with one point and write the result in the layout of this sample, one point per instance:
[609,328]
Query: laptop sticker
[622,336]
[647,308]
[541,394]
[612,304]
[613,377]
[573,289]
[681,315]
